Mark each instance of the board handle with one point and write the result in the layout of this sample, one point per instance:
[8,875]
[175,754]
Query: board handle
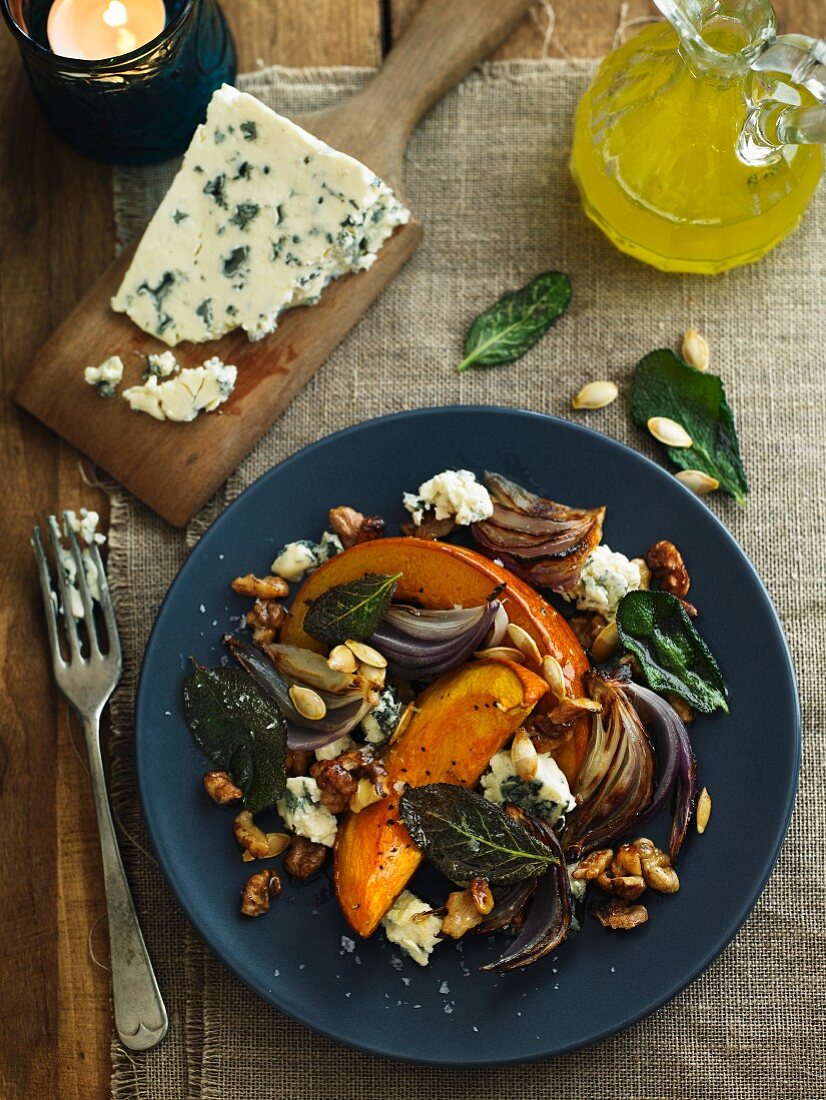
[443,41]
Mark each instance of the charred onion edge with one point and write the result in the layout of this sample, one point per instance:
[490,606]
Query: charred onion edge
[539,540]
[548,920]
[680,766]
[625,782]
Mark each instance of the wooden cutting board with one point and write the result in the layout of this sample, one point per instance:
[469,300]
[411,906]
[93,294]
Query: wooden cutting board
[175,467]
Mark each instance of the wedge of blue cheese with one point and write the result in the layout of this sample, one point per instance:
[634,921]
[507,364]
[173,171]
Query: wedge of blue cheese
[260,218]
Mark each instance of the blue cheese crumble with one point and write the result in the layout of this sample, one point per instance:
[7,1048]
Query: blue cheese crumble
[302,812]
[260,217]
[335,748]
[605,578]
[185,395]
[304,556]
[452,494]
[107,377]
[547,795]
[84,525]
[416,938]
[379,723]
[162,366]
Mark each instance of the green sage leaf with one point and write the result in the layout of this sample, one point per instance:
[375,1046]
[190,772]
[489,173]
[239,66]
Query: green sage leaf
[466,836]
[664,385]
[511,326]
[240,729]
[654,627]
[351,610]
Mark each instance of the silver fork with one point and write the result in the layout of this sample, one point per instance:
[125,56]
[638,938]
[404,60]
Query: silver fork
[88,680]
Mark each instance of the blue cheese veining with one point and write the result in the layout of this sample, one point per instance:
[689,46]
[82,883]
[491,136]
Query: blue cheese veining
[260,217]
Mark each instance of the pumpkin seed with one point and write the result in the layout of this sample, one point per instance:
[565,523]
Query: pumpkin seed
[524,643]
[278,842]
[703,810]
[596,395]
[669,432]
[342,659]
[308,703]
[697,481]
[366,654]
[501,653]
[373,675]
[695,349]
[554,676]
[606,643]
[524,756]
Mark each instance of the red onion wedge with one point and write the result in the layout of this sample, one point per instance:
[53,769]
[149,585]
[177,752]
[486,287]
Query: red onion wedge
[344,710]
[421,645]
[615,782]
[677,764]
[549,918]
[543,542]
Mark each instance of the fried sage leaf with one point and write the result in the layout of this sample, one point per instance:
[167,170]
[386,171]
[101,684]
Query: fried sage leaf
[240,729]
[665,386]
[351,610]
[511,326]
[466,836]
[654,627]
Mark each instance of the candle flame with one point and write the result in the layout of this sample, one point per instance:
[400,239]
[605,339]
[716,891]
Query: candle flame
[116,14]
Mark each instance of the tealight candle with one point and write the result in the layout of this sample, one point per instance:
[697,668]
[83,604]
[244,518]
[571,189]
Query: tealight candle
[125,81]
[95,29]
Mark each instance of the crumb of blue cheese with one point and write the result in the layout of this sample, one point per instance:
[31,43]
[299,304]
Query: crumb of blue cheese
[417,938]
[547,795]
[84,525]
[184,396]
[304,556]
[452,494]
[107,377]
[335,748]
[302,812]
[379,723]
[605,578]
[162,366]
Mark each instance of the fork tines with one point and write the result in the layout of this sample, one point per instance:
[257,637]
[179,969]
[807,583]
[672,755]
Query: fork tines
[75,575]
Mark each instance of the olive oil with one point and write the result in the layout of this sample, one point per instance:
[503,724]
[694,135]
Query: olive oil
[655,156]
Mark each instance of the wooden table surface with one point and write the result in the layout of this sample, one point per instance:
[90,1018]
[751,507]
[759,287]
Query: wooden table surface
[56,235]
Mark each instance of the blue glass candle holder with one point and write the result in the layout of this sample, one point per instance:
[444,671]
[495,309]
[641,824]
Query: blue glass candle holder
[141,107]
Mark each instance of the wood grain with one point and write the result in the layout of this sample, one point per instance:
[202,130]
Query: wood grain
[56,237]
[175,468]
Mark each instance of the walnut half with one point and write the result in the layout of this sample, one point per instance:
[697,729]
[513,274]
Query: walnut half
[617,913]
[258,889]
[304,858]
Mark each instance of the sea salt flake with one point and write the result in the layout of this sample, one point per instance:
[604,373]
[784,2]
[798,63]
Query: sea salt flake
[444,988]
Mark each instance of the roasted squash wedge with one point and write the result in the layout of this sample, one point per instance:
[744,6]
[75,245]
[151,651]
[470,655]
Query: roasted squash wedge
[439,574]
[447,735]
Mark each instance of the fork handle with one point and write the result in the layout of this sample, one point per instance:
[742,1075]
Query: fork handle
[140,1016]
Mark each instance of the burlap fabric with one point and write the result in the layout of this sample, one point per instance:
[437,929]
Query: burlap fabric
[487,175]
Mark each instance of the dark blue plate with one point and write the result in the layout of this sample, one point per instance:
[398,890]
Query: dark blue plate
[299,957]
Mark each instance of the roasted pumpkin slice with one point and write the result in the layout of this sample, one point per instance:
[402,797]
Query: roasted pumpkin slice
[447,735]
[441,575]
